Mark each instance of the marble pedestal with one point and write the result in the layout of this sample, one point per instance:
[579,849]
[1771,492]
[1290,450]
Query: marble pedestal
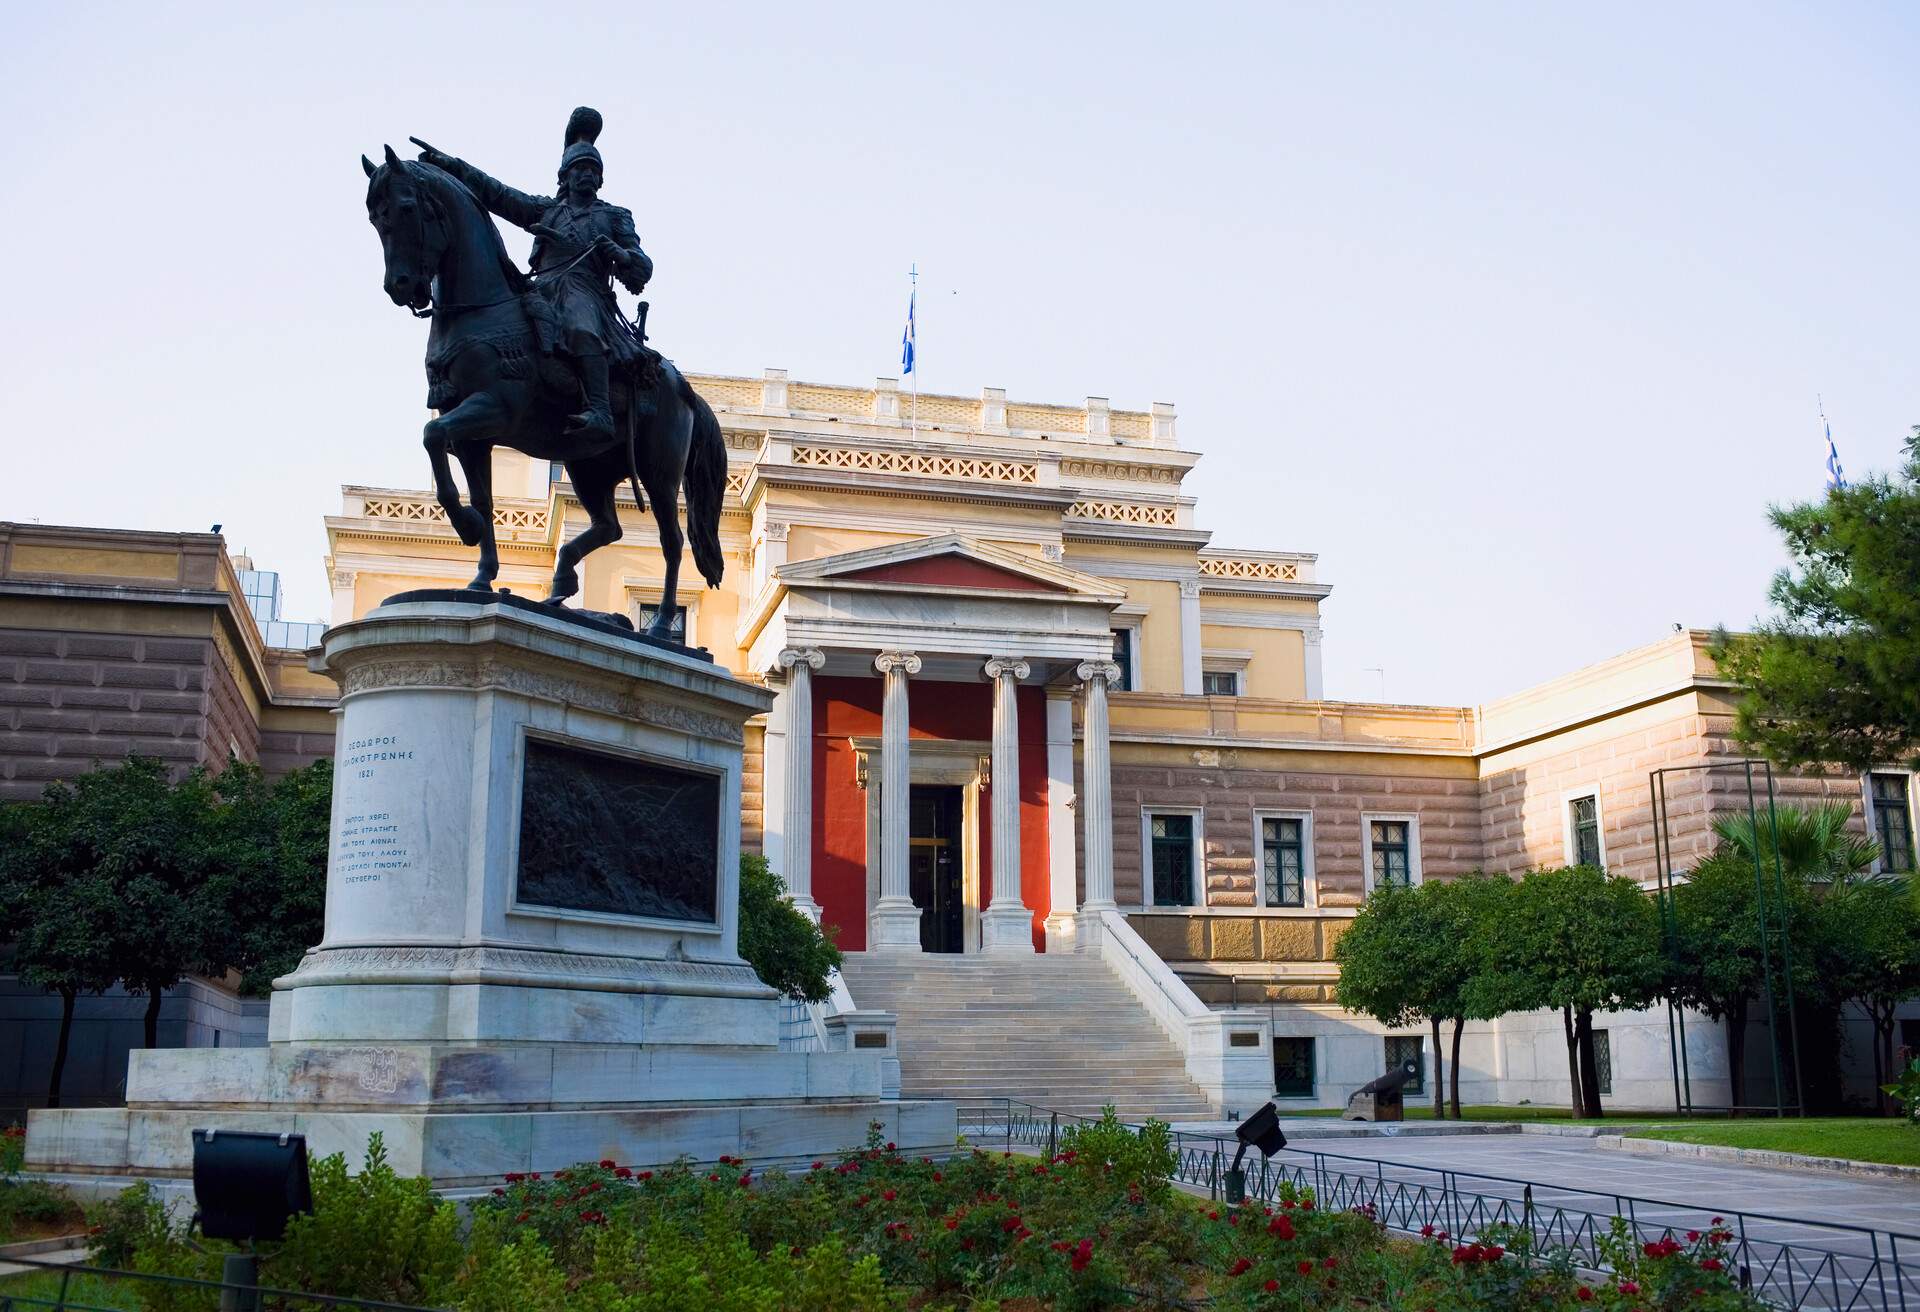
[530,952]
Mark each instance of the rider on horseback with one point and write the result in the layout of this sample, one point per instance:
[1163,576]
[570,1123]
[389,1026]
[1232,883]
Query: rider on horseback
[580,243]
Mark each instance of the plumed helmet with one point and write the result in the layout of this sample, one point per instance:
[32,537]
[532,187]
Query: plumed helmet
[583,129]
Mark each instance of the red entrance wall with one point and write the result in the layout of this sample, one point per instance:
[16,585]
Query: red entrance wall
[850,708]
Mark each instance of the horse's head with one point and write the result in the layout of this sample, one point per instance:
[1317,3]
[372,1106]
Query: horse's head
[412,228]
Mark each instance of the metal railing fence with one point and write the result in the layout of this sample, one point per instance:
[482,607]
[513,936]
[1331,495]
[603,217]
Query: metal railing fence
[1790,1262]
[71,1288]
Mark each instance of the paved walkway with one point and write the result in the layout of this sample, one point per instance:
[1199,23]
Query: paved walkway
[1810,1240]
[1581,1168]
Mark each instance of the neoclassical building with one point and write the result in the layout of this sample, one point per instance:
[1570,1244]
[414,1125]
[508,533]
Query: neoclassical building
[1055,767]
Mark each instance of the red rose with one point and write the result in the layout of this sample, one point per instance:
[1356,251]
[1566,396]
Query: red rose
[1304,1268]
[608,1163]
[1082,1255]
[1711,1264]
[1271,1286]
[646,1175]
[1239,1267]
[1281,1226]
[889,1195]
[1584,1294]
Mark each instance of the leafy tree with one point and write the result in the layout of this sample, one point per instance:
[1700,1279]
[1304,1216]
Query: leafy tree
[1721,960]
[267,884]
[1473,909]
[1830,678]
[781,943]
[58,923]
[1401,962]
[1870,954]
[1581,941]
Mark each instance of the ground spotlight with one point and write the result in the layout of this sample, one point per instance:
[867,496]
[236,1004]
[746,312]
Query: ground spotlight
[1260,1130]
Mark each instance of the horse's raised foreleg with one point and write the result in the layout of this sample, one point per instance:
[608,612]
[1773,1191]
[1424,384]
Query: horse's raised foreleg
[476,458]
[663,462]
[595,481]
[464,423]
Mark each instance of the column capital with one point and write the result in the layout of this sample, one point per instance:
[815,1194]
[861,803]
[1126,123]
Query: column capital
[1190,588]
[1088,671]
[999,666]
[811,657]
[776,530]
[904,661]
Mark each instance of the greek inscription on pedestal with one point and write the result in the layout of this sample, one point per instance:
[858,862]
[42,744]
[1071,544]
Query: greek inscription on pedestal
[370,845]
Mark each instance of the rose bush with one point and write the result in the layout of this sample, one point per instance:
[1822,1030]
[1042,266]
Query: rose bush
[1097,1226]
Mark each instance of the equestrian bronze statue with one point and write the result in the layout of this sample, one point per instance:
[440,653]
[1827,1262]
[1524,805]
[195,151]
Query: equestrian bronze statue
[544,362]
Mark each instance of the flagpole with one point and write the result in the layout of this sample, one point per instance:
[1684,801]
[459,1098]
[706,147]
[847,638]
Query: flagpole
[913,296]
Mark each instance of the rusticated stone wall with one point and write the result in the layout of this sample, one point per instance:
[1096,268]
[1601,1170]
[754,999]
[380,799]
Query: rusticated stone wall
[1441,793]
[1526,790]
[68,700]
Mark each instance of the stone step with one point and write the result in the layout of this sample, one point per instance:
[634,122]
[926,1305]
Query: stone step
[1056,1030]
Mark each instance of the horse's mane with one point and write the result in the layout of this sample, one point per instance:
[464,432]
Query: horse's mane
[422,172]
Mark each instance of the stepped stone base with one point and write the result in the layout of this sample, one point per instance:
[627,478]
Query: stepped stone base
[1059,1030]
[454,1149]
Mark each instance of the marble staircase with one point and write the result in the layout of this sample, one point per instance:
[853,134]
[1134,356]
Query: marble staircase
[1059,1030]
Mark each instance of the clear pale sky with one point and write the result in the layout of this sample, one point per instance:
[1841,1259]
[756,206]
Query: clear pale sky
[1515,314]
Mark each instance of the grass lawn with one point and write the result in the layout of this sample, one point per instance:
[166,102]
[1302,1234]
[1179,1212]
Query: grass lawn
[1424,1112]
[1859,1139]
[84,1291]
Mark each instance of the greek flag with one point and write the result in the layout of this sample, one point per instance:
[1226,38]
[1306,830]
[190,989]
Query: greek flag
[906,338]
[1836,477]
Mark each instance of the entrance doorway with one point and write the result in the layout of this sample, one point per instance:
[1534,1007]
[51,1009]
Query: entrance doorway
[933,866]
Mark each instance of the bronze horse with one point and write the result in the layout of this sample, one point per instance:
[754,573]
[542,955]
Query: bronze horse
[445,259]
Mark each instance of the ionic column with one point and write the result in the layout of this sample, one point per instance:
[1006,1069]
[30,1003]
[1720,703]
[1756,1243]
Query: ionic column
[895,922]
[1006,925]
[1096,798]
[797,811]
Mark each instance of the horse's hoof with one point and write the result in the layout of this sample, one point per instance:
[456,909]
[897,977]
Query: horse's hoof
[561,591]
[468,524]
[482,582]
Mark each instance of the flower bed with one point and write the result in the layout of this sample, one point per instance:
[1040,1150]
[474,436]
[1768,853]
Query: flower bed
[1098,1226]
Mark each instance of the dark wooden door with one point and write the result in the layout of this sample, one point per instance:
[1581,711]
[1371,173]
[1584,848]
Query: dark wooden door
[933,867]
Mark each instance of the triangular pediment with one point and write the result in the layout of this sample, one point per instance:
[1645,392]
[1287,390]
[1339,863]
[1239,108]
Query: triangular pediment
[949,562]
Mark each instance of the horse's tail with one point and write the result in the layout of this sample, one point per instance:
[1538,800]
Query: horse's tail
[706,484]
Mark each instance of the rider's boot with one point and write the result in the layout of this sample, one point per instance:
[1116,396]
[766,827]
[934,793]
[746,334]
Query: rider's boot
[597,418]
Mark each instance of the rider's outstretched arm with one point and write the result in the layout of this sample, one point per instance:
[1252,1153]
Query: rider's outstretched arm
[516,207]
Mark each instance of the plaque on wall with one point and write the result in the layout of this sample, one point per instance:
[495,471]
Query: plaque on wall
[613,834]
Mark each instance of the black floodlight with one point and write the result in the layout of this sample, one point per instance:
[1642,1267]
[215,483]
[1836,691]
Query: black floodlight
[1260,1130]
[246,1183]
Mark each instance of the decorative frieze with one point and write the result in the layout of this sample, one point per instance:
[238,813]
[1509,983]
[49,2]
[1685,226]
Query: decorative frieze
[976,469]
[1250,568]
[1125,512]
[1121,470]
[423,509]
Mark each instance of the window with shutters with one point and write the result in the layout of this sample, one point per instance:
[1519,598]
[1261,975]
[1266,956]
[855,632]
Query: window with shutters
[1892,822]
[1401,1049]
[1283,861]
[1393,853]
[1583,832]
[1292,1067]
[1170,858]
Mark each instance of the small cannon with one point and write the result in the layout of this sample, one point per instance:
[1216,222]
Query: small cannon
[1381,1100]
